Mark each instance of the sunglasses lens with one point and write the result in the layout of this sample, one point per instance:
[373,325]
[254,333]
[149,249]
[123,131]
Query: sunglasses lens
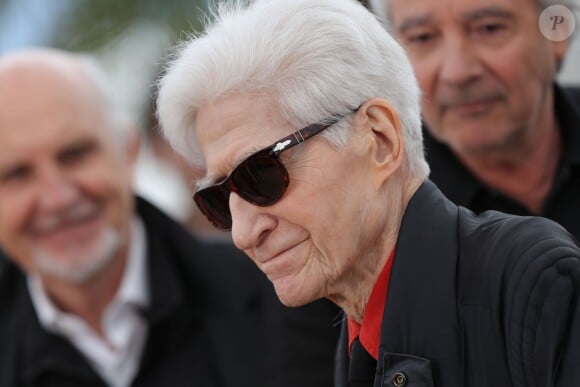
[213,202]
[261,179]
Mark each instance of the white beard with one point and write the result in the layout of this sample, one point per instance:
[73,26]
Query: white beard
[77,270]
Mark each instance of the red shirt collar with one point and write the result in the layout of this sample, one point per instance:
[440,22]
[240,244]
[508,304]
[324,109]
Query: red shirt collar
[369,332]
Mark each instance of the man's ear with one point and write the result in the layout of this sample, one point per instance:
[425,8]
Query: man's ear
[386,136]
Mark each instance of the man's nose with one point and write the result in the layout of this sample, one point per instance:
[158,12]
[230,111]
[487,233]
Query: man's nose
[250,223]
[56,190]
[460,62]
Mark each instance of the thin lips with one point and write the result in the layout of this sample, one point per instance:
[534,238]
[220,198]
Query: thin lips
[458,102]
[272,257]
[466,104]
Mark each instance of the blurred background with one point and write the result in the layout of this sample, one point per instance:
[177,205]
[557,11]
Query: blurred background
[131,38]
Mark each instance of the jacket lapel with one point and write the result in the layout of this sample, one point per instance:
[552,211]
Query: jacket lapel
[43,355]
[420,322]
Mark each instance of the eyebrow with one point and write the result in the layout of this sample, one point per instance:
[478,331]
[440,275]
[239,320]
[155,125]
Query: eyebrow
[413,22]
[492,11]
[469,16]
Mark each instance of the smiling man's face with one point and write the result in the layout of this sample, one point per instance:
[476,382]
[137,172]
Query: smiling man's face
[65,186]
[305,242]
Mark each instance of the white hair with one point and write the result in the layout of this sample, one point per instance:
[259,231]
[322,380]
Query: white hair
[320,58]
[381,8]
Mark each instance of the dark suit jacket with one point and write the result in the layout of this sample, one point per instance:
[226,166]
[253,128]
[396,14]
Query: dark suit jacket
[204,321]
[489,300]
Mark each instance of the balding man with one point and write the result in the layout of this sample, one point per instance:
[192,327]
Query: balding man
[100,287]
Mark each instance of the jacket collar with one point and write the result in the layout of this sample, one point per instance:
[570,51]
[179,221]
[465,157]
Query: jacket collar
[422,289]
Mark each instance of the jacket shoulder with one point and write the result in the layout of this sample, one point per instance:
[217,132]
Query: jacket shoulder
[526,270]
[508,242]
[501,253]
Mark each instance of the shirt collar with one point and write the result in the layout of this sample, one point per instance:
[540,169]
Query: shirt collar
[369,332]
[133,290]
[134,286]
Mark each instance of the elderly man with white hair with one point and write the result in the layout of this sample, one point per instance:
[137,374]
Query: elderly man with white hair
[100,288]
[305,117]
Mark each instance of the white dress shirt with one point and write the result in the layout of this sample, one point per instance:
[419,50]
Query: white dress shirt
[115,358]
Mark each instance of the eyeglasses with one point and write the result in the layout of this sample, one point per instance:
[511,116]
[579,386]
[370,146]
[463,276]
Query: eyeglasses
[261,179]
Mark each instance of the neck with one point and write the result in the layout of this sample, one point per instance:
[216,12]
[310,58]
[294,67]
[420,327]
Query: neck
[524,170]
[353,292]
[88,300]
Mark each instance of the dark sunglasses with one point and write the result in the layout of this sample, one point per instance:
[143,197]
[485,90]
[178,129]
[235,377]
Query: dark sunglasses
[261,179]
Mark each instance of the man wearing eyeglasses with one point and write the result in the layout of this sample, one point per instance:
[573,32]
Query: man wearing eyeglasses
[305,118]
[101,288]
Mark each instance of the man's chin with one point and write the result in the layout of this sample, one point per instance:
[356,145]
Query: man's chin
[291,296]
[78,265]
[69,272]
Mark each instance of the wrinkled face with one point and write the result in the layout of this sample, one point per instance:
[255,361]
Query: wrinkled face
[484,68]
[65,187]
[310,239]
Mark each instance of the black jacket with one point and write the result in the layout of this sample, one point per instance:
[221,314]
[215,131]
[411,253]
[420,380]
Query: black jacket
[308,335]
[488,300]
[205,321]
